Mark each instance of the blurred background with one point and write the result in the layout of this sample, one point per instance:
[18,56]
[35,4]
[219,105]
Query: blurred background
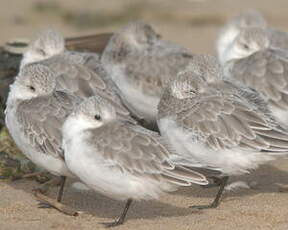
[192,23]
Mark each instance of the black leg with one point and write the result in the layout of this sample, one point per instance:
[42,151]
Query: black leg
[121,218]
[217,199]
[45,186]
[61,189]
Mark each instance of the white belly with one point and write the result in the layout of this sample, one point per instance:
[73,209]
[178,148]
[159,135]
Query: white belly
[105,176]
[144,104]
[226,37]
[232,161]
[54,165]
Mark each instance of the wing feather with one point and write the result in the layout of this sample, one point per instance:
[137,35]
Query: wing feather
[140,152]
[243,124]
[42,118]
[83,75]
[266,71]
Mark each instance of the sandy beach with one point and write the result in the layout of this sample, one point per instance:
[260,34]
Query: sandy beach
[262,207]
[193,24]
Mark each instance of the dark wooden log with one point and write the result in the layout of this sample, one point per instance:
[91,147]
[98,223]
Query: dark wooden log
[9,65]
[91,43]
[9,62]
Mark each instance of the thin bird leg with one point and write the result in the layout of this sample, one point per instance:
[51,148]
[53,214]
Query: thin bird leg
[61,189]
[121,218]
[45,187]
[217,199]
[29,175]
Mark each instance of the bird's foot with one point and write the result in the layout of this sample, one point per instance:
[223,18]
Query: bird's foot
[113,224]
[201,207]
[46,202]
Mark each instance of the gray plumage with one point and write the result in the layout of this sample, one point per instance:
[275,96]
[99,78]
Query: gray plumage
[279,39]
[134,162]
[80,74]
[219,124]
[141,152]
[248,19]
[34,116]
[140,63]
[83,75]
[46,44]
[263,68]
[41,119]
[228,33]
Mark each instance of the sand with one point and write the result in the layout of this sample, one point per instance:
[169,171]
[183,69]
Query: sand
[262,207]
[193,24]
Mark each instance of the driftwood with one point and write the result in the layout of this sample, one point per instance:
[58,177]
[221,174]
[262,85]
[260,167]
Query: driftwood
[91,43]
[9,62]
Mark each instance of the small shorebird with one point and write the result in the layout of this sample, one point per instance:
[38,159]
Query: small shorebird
[119,159]
[140,63]
[47,44]
[217,124]
[80,73]
[252,61]
[35,113]
[248,19]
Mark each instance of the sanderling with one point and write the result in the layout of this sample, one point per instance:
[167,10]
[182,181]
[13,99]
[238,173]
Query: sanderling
[35,113]
[80,73]
[229,32]
[119,159]
[214,123]
[252,61]
[46,44]
[140,63]
[248,19]
[49,43]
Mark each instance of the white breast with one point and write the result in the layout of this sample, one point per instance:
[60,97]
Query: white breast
[226,38]
[105,176]
[144,104]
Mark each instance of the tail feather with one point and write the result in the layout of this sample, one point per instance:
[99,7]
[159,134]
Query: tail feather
[186,174]
[274,134]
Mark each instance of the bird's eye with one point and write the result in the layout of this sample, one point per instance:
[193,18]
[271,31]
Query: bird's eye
[158,36]
[245,46]
[97,117]
[32,88]
[41,52]
[190,91]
